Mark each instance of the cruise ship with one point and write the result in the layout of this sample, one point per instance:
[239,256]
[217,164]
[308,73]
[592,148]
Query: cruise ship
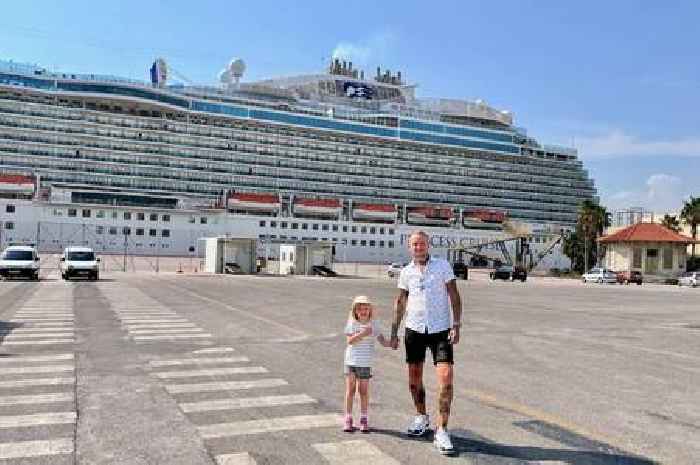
[151,167]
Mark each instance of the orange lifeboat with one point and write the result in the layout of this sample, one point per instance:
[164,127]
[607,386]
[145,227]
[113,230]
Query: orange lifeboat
[249,201]
[374,212]
[483,218]
[17,184]
[430,215]
[317,207]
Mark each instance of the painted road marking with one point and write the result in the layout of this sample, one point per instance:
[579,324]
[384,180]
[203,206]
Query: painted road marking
[224,386]
[246,402]
[241,428]
[16,450]
[38,419]
[353,453]
[36,382]
[242,458]
[37,399]
[197,361]
[35,358]
[210,372]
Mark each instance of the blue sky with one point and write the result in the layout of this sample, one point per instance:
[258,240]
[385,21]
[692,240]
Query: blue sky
[620,80]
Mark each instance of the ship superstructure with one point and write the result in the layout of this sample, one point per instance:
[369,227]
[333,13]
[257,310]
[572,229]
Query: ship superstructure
[336,150]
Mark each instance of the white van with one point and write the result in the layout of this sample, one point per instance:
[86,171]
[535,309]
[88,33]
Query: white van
[19,260]
[79,261]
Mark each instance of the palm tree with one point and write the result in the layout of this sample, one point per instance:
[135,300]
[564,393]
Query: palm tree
[592,221]
[691,216]
[671,222]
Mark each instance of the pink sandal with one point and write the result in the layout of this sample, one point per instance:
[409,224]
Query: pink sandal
[364,425]
[347,427]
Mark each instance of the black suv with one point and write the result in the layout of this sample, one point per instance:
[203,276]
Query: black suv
[460,269]
[509,273]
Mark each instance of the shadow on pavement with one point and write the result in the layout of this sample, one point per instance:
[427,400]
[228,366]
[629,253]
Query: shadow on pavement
[466,442]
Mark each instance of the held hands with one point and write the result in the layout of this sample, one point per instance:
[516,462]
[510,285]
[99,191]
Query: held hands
[453,335]
[394,342]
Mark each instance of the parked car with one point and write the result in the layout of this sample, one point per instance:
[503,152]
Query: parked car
[509,273]
[626,277]
[19,260]
[394,269]
[689,278]
[460,269]
[600,275]
[79,261]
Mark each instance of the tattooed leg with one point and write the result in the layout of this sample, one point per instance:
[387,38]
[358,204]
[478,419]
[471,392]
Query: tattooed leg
[415,384]
[445,393]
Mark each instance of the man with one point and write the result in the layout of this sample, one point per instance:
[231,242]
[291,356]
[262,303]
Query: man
[424,287]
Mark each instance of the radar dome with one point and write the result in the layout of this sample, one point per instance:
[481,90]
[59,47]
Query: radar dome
[231,75]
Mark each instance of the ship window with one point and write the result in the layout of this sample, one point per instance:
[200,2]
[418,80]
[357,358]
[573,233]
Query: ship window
[363,243]
[192,220]
[353,242]
[354,229]
[363,230]
[304,226]
[100,229]
[113,230]
[165,233]
[127,215]
[139,231]
[87,213]
[100,214]
[262,223]
[345,229]
[391,244]
[152,232]
[203,220]
[372,230]
[9,225]
[153,217]
[335,227]
[372,243]
[72,212]
[273,224]
[381,243]
[166,218]
[126,231]
[10,209]
[324,227]
[283,225]
[141,216]
[391,232]
[314,226]
[295,225]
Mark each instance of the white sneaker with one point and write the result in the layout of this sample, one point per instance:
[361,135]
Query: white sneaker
[419,425]
[443,443]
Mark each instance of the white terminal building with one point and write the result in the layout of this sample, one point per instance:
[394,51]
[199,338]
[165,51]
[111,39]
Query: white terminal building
[340,157]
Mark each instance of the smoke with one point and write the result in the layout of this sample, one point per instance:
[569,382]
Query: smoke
[376,48]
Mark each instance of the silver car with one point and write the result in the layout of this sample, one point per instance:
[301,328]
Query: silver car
[600,275]
[689,278]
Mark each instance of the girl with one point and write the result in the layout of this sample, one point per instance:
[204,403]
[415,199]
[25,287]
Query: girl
[360,333]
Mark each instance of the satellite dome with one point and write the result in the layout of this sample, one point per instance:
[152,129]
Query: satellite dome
[237,67]
[231,75]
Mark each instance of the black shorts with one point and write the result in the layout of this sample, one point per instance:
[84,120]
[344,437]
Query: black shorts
[439,344]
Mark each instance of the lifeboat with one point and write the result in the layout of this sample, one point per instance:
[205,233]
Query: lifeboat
[430,215]
[17,184]
[318,207]
[374,212]
[483,218]
[248,201]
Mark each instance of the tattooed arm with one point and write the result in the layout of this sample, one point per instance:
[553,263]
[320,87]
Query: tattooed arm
[399,310]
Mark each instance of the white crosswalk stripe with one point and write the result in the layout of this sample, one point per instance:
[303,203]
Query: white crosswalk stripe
[40,324]
[44,342]
[171,336]
[37,399]
[210,372]
[245,402]
[13,337]
[151,320]
[214,350]
[358,452]
[224,386]
[36,382]
[197,361]
[35,358]
[37,419]
[241,428]
[36,369]
[242,458]
[160,326]
[165,331]
[24,449]
[42,330]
